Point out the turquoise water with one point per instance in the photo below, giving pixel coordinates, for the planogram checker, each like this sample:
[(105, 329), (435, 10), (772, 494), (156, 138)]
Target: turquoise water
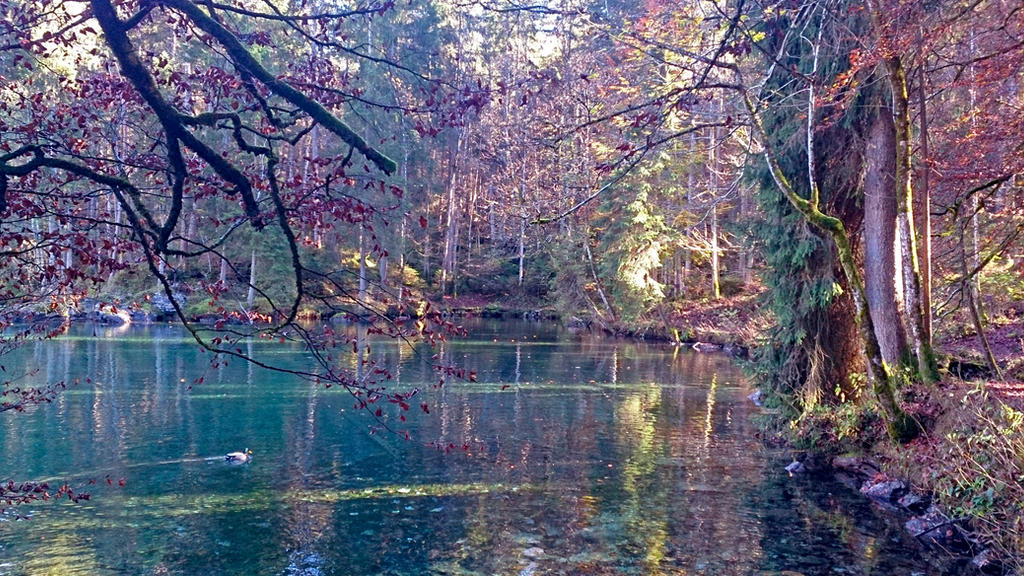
[(571, 456)]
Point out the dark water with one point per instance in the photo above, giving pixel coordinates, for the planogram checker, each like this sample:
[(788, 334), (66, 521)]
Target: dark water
[(599, 457)]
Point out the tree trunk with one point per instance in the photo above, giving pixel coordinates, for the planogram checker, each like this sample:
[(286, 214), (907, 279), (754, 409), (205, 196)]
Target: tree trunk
[(426, 249), (690, 187), (492, 217), (522, 248), (977, 317), (600, 291), (926, 365), (405, 216), (880, 238), (250, 298), (924, 226), (900, 426), (746, 251), (716, 285), (362, 267), (448, 259)]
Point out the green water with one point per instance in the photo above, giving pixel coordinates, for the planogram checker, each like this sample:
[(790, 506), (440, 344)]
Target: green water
[(573, 456)]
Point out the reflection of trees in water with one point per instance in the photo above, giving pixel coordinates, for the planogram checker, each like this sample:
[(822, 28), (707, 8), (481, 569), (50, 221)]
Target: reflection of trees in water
[(620, 470), (645, 508), (806, 516), (677, 484), (304, 524), (575, 411), (69, 555), (608, 455)]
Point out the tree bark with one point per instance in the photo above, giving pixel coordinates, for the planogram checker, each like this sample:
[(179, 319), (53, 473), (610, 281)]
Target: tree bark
[(716, 284), (927, 368), (924, 225), (880, 238), (897, 78)]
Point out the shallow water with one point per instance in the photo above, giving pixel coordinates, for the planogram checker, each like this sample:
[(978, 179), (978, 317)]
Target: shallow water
[(571, 456)]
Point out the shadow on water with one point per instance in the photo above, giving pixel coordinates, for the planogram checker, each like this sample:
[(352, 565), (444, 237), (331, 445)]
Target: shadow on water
[(570, 455)]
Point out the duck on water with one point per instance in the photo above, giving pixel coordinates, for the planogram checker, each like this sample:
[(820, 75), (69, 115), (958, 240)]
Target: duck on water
[(239, 457)]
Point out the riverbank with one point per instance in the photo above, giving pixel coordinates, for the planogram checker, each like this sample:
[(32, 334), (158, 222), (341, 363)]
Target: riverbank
[(735, 322), (959, 485)]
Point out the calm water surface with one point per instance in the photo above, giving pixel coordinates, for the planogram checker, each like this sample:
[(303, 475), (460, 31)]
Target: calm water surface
[(581, 456)]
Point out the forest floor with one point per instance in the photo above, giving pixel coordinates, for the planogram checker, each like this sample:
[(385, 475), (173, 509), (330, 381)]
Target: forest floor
[(1005, 335), (739, 319)]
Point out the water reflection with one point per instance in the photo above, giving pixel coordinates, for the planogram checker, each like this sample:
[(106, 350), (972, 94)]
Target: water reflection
[(568, 456)]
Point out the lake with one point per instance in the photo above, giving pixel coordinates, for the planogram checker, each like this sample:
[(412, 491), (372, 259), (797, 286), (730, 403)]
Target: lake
[(572, 455)]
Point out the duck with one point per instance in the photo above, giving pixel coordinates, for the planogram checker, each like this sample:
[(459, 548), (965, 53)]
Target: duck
[(239, 457)]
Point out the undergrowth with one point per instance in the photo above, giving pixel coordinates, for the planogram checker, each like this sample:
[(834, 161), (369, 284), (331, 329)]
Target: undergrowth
[(982, 473)]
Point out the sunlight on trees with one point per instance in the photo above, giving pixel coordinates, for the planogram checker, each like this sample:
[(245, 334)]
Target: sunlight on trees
[(267, 170)]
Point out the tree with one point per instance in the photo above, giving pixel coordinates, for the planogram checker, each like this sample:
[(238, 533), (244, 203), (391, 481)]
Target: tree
[(971, 83), (910, 266), (797, 64), (162, 136), (880, 209)]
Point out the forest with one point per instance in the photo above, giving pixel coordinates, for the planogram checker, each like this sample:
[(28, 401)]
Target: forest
[(836, 185)]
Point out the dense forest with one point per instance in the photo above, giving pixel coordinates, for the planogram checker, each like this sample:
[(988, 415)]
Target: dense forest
[(839, 181)]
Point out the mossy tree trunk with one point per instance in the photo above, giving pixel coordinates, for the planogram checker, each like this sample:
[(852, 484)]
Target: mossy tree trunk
[(899, 425), (897, 79), (926, 365)]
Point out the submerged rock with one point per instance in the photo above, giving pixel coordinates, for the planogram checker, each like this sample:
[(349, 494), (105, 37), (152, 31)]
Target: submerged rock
[(530, 569)]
